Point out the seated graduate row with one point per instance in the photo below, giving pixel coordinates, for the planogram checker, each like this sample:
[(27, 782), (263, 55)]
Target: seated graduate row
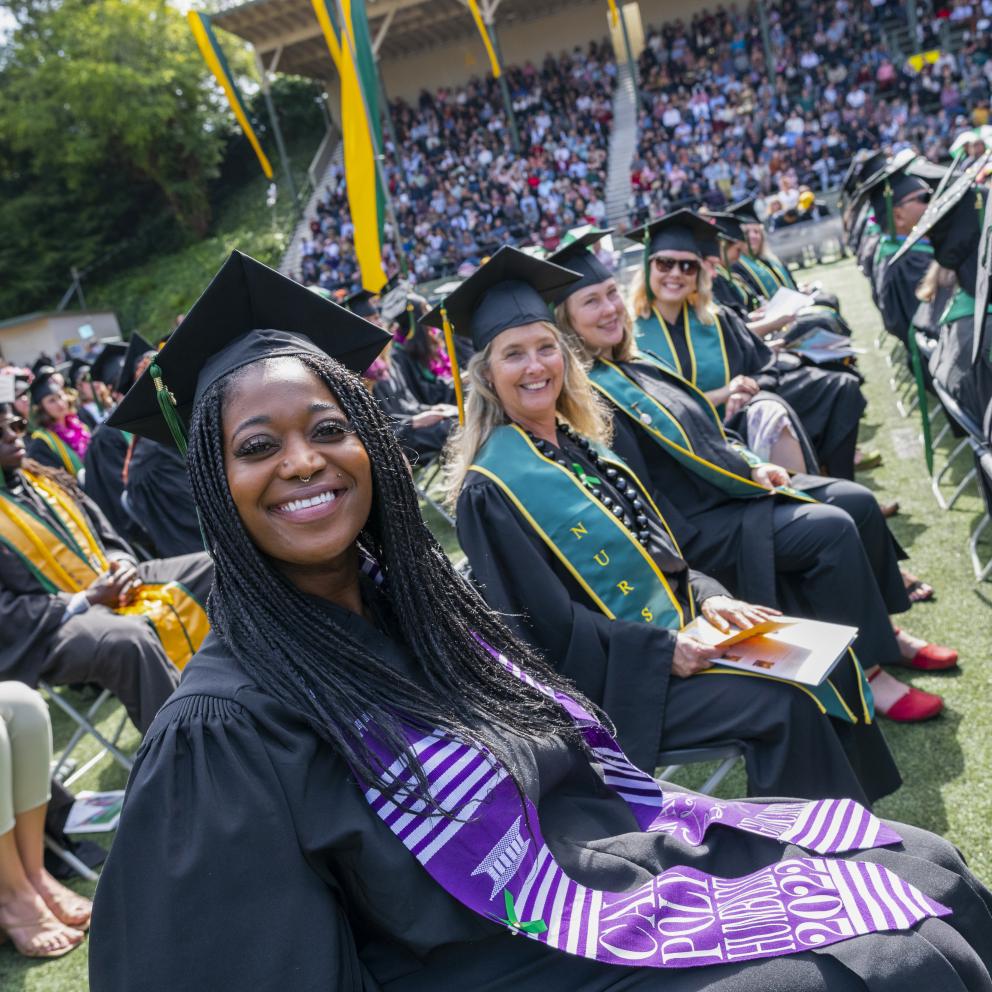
[(389, 783)]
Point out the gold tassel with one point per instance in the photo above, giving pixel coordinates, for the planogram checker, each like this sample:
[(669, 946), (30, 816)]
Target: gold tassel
[(456, 375)]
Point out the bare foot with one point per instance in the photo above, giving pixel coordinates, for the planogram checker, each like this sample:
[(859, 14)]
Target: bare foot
[(73, 910), (36, 933)]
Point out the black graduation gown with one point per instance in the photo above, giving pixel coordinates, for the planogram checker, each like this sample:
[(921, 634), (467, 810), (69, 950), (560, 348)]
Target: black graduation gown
[(402, 406), (625, 667), (121, 653), (247, 858), (41, 452), (160, 499), (894, 288), (103, 478), (428, 388), (827, 403), (830, 562), (951, 366)]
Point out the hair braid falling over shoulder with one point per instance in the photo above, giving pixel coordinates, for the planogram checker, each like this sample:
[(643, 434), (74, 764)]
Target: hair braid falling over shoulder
[(302, 657)]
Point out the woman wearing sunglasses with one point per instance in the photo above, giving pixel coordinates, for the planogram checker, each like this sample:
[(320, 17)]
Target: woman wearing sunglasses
[(772, 403)]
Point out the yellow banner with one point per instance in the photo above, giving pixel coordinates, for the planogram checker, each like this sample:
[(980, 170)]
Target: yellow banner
[(330, 35), (486, 40), (614, 13), (214, 57), (359, 163)]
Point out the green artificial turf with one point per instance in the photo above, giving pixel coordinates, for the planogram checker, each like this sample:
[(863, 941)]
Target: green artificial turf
[(945, 763)]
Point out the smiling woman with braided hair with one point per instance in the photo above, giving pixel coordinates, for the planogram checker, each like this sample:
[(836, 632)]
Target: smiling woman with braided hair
[(352, 787)]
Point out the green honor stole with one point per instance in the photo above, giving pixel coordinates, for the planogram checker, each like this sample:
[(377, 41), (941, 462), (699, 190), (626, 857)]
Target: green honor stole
[(70, 460), (604, 556), (962, 304), (663, 427), (709, 367), (762, 274)]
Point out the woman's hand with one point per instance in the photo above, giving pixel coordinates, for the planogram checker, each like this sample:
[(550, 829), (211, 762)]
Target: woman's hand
[(770, 476), (116, 587), (723, 613), (735, 403), (691, 655), (742, 384), (426, 418)]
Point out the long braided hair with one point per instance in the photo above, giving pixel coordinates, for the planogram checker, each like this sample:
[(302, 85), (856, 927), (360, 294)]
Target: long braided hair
[(320, 670)]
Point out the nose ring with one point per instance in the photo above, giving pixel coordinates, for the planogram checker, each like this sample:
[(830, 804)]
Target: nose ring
[(306, 480)]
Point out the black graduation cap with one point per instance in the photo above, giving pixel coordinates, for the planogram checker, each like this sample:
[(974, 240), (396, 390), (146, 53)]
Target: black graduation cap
[(78, 370), (728, 226), (679, 231), (744, 211), (510, 290), (577, 256), (41, 363), (137, 347), (360, 303), (888, 185), (863, 164), (248, 312), (47, 382), (951, 220), (107, 365)]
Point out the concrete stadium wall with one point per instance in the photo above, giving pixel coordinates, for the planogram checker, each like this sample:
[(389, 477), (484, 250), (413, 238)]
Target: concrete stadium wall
[(582, 22)]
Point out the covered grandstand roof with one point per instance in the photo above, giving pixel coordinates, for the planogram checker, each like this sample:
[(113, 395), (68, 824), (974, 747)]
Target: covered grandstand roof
[(286, 35)]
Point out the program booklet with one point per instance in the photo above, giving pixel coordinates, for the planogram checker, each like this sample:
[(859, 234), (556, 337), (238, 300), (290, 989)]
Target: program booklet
[(95, 812), (804, 651)]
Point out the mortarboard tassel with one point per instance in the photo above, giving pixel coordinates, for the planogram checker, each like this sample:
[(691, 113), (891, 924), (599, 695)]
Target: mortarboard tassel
[(456, 375), (412, 321), (167, 404), (890, 223)]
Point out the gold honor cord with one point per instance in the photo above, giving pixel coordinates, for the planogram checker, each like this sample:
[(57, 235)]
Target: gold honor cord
[(456, 374), (473, 6)]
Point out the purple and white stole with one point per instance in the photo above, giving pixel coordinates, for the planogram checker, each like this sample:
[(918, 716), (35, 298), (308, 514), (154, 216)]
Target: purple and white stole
[(492, 857)]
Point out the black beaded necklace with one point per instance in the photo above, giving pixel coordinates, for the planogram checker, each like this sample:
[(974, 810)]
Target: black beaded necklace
[(623, 499)]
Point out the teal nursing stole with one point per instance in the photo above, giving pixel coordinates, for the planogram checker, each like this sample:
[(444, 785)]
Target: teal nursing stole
[(663, 427), (603, 555), (709, 366)]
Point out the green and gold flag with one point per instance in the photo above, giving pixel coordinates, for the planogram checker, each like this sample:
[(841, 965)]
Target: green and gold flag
[(350, 45), (213, 54)]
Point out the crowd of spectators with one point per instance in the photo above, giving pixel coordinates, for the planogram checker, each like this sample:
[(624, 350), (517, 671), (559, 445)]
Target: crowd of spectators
[(713, 128), (459, 189)]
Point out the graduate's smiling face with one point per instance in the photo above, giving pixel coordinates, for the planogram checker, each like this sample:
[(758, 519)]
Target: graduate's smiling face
[(298, 474), (674, 275), (597, 314), (527, 369)]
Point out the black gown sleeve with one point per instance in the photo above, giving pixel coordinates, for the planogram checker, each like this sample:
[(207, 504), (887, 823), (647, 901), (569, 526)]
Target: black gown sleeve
[(41, 453), (623, 667), (161, 499), (747, 354), (897, 296), (206, 886)]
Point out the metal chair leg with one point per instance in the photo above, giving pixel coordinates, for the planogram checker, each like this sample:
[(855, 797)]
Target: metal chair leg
[(962, 486), (935, 483), (71, 860), (980, 570)]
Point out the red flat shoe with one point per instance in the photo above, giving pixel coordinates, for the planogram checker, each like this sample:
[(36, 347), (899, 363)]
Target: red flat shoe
[(914, 707), (931, 658)]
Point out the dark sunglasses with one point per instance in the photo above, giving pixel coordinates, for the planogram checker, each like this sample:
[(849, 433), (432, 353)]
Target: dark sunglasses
[(16, 425), (687, 266), (923, 196)]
